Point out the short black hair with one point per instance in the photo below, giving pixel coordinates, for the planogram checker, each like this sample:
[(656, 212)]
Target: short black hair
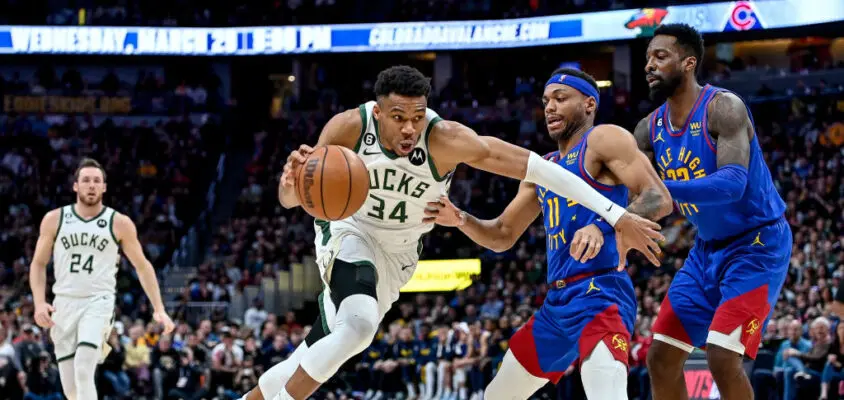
[(578, 73), (403, 81), (88, 163), (688, 38)]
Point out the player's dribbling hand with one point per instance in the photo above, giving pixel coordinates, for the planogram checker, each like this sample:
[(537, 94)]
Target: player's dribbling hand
[(587, 243), (162, 318), (42, 315), (635, 232), (294, 160), (443, 212)]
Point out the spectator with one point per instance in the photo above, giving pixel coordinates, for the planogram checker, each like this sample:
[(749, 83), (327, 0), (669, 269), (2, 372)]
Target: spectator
[(832, 371), (226, 360), (113, 367), (42, 381), (164, 363), (188, 385), (255, 315), (12, 380), (138, 359), (806, 366)]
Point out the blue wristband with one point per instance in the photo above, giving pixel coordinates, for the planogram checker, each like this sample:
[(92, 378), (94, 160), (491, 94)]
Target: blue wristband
[(604, 226)]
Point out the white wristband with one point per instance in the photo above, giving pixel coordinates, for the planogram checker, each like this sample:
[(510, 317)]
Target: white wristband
[(564, 183)]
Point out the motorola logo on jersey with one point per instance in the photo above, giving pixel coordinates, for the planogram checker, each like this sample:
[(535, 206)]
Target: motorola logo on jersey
[(369, 139), (743, 17), (102, 223), (417, 156)]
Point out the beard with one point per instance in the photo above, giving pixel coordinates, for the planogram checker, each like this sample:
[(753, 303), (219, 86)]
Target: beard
[(569, 129), (83, 198), (665, 88)]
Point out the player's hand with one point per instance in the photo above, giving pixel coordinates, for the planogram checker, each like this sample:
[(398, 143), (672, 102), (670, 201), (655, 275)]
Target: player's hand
[(443, 212), (42, 315), (642, 234), (162, 318), (294, 161), (587, 243)]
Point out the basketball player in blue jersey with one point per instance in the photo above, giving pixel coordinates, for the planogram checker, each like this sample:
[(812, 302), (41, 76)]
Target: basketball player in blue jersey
[(589, 313), (705, 147)]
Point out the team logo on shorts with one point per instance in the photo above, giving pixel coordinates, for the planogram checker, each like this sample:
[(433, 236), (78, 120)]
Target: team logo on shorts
[(619, 342), (417, 156), (102, 223), (753, 327), (369, 139)]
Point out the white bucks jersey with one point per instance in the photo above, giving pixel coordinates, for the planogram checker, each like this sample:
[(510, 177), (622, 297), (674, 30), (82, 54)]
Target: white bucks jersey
[(85, 254), (399, 187)]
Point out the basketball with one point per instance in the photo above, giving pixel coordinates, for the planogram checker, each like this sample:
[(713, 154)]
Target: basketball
[(333, 183)]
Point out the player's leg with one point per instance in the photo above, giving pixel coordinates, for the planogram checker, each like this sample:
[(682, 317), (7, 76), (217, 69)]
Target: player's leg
[(94, 322), (752, 278), (63, 335), (603, 376), (353, 291), (513, 381), (521, 374), (604, 342), (680, 326)]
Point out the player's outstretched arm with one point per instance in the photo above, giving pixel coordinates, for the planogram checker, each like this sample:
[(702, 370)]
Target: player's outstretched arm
[(617, 149), (728, 119), (127, 235), (499, 234), (38, 267), (456, 143), (343, 129)]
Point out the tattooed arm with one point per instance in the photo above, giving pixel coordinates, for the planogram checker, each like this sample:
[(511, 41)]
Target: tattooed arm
[(642, 133), (729, 122), (617, 149)]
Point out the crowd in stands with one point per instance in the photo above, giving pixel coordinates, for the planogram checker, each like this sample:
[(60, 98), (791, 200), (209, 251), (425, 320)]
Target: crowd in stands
[(431, 345), (130, 90)]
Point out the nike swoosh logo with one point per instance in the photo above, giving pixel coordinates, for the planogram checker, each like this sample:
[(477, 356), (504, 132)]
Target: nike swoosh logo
[(370, 154), (405, 267), (609, 208)]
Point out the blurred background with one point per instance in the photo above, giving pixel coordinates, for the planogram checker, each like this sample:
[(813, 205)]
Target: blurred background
[(193, 126)]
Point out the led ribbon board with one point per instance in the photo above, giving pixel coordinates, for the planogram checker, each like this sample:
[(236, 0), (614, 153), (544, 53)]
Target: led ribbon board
[(415, 36)]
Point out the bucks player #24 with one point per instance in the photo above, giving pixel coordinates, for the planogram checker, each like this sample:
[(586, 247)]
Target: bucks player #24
[(85, 254), (399, 187)]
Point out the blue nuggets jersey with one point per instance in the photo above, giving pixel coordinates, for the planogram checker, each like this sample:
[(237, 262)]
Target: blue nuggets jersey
[(563, 217), (690, 153)]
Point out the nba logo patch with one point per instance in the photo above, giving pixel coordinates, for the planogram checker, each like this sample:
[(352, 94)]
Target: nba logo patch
[(742, 16)]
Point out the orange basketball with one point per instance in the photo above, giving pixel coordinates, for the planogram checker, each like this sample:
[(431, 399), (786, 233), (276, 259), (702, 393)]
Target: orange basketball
[(333, 183)]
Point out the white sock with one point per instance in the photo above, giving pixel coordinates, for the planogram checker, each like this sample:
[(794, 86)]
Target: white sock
[(68, 378), (84, 367)]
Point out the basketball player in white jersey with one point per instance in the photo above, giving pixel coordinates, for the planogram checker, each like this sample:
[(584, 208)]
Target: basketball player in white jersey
[(364, 260), (84, 239)]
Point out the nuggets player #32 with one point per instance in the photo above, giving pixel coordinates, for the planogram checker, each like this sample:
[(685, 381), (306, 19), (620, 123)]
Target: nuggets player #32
[(706, 149), (85, 239)]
